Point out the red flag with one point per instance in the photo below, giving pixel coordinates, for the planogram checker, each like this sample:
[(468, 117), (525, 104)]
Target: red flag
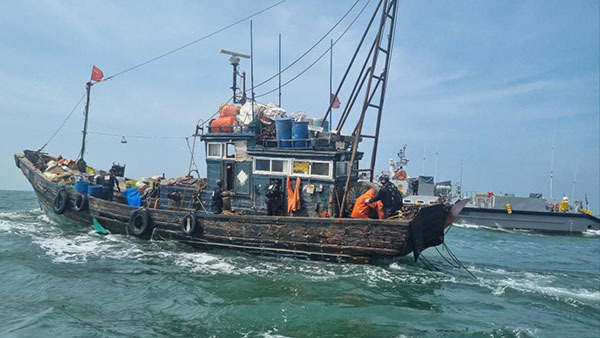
[(97, 74), (335, 101)]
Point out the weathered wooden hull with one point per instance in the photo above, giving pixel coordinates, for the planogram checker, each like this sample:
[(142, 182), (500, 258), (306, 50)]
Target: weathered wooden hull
[(332, 239)]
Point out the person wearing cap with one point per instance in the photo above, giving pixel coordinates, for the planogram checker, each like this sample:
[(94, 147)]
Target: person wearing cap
[(217, 198), (389, 195)]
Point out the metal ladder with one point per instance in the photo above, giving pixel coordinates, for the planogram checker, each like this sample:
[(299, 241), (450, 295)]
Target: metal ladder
[(376, 84)]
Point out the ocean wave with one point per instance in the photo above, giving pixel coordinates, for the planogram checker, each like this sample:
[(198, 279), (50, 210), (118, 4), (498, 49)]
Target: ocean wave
[(499, 229), (591, 233), (477, 226), (499, 280), (24, 222)]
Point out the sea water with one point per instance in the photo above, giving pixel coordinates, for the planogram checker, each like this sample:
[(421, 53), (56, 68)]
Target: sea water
[(65, 280)]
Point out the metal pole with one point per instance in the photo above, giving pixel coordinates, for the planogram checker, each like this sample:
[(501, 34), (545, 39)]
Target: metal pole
[(424, 156), (331, 85), (461, 177), (252, 69), (552, 163), (437, 151), (574, 180), (88, 86), (279, 74)]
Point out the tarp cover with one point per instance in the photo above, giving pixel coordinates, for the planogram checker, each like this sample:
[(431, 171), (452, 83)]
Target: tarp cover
[(133, 197)]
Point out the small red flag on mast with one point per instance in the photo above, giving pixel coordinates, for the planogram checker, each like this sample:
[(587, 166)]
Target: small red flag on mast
[(97, 74), (335, 101)]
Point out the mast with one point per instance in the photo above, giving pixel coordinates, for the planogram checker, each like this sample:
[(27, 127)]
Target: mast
[(437, 151), (331, 85), (552, 163), (88, 87), (252, 69), (279, 73), (461, 177), (574, 180), (424, 157)]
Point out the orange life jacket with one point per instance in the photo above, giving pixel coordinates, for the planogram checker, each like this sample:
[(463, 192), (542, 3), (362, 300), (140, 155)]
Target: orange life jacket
[(361, 208), (293, 196)]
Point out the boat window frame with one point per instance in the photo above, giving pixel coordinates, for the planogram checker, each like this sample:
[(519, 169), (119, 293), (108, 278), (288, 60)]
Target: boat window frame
[(286, 165), (288, 168), (310, 174), (226, 149), (208, 155), (342, 165)]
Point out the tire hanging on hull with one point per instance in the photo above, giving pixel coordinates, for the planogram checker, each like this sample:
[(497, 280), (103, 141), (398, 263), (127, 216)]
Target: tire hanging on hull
[(140, 222), (61, 202)]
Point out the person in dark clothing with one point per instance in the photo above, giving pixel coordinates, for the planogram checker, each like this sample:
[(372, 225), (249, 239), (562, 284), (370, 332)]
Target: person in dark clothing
[(415, 186), (107, 187), (217, 198), (274, 196), (389, 196)]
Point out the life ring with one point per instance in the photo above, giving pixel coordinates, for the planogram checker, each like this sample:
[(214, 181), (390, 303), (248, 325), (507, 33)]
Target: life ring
[(400, 175), (61, 201), (189, 223), (81, 202), (140, 222)]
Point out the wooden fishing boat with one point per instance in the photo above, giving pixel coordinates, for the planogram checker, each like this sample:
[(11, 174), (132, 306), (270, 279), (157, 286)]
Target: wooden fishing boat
[(247, 158), (331, 239)]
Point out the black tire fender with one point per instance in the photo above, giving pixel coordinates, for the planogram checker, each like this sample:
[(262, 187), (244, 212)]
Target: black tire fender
[(81, 202), (189, 224), (140, 222), (61, 201)]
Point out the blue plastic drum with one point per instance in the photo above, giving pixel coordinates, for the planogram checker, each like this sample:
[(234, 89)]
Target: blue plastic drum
[(96, 191), (82, 186), (283, 130), (300, 134)]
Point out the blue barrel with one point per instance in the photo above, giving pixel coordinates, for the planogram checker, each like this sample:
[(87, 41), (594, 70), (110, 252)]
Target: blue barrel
[(82, 186), (317, 122), (300, 133), (283, 130), (96, 191)]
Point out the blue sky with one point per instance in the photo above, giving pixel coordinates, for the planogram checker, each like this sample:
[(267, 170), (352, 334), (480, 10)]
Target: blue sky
[(486, 82)]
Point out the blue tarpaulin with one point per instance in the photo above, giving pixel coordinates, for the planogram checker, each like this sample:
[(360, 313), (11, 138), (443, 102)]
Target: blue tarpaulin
[(133, 197)]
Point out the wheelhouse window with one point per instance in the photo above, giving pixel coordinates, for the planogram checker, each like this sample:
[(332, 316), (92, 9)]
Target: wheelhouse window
[(215, 150), (262, 165), (279, 166), (271, 166), (342, 168), (230, 150), (301, 167), (312, 168), (317, 169)]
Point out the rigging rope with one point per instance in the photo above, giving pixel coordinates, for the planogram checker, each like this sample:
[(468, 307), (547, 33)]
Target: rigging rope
[(138, 136), (458, 261), (319, 58), (427, 263), (63, 123), (313, 46), (192, 42)]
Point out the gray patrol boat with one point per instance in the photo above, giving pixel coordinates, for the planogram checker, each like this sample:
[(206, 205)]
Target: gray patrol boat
[(527, 213), (506, 212)]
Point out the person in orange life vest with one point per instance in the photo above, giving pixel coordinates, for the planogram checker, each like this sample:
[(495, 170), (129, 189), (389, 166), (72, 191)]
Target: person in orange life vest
[(361, 207)]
